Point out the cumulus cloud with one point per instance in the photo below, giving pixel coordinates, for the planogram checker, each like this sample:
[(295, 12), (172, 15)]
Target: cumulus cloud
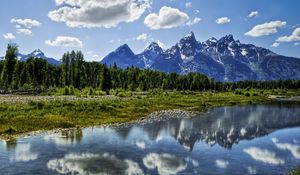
[(87, 163), (294, 37), (23, 154), (142, 37), (27, 23), (26, 32), (166, 18), (65, 41), (221, 163), (253, 14), (194, 21), (264, 155), (223, 20), (188, 5), (95, 13), (9, 36), (275, 44), (266, 28), (166, 164)]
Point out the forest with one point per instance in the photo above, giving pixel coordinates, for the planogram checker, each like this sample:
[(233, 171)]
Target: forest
[(75, 72)]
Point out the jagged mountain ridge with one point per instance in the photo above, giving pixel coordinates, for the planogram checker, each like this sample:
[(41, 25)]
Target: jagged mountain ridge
[(225, 59), (36, 54)]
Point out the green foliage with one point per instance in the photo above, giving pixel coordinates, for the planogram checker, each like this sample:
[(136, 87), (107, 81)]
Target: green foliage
[(120, 92), (9, 65)]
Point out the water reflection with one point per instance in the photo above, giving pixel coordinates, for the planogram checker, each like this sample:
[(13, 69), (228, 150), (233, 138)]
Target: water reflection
[(256, 139), (87, 163), (223, 126), (264, 155), (23, 153), (164, 163), (66, 137), (294, 148)]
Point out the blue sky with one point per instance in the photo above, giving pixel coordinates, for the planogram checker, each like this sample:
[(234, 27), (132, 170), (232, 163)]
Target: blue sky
[(97, 27)]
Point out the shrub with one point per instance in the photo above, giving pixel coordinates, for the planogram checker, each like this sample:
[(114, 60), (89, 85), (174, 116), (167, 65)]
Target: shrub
[(247, 94), (10, 130), (121, 93)]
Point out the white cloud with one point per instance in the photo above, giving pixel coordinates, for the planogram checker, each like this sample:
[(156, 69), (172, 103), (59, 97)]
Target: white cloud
[(223, 20), (296, 44), (142, 37), (27, 23), (294, 37), (166, 18), (9, 36), (65, 41), (263, 155), (197, 12), (276, 44), (188, 5), (194, 21), (87, 163), (253, 14), (166, 164), (95, 13), (221, 163), (266, 28), (26, 32), (23, 154)]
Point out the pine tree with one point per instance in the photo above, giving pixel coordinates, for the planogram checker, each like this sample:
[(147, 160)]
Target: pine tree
[(106, 79), (9, 64)]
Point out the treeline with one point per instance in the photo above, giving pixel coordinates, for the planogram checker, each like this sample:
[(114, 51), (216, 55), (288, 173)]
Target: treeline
[(76, 72)]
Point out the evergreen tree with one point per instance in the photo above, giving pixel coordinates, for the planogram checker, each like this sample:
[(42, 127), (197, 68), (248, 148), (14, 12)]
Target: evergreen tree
[(106, 79), (9, 64)]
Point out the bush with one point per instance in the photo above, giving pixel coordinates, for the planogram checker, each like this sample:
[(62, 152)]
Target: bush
[(27, 86), (247, 94), (156, 91), (10, 130), (120, 93)]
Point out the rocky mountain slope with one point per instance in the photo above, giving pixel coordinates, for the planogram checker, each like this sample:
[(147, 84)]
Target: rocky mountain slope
[(225, 59)]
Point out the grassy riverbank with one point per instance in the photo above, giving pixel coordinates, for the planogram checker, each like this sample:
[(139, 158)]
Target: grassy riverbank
[(21, 114)]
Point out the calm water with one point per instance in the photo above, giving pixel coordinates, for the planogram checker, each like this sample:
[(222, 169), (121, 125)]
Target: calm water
[(256, 139)]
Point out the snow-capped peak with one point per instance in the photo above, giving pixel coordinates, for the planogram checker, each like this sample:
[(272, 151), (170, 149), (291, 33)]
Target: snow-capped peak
[(37, 53), (188, 38), (227, 39), (153, 47)]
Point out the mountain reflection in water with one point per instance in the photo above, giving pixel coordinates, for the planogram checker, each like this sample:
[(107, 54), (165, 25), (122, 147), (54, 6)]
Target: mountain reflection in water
[(261, 139)]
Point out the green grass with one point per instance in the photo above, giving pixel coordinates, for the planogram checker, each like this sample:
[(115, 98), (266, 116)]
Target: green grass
[(23, 114)]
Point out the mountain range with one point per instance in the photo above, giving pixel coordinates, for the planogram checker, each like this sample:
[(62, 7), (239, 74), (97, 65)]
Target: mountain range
[(36, 54), (225, 59)]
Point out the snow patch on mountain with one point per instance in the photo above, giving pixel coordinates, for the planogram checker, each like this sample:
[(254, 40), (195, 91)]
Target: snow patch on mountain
[(225, 59)]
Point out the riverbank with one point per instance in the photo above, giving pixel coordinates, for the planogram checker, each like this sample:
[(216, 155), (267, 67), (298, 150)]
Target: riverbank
[(22, 114)]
